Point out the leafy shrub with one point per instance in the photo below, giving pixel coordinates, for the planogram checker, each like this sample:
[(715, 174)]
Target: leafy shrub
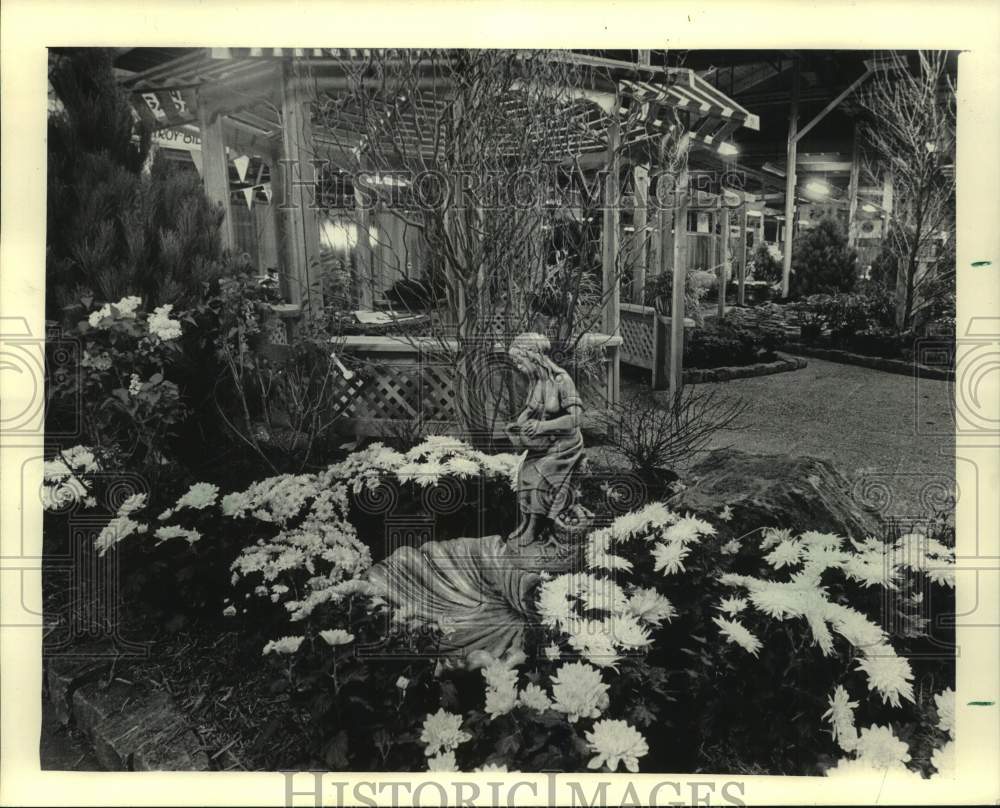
[(764, 266), (131, 407), (822, 262), (725, 344)]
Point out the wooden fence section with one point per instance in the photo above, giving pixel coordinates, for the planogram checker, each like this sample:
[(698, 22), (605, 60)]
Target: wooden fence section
[(402, 384), (646, 341)]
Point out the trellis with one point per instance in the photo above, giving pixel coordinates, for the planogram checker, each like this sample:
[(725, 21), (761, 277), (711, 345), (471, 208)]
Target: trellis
[(252, 100)]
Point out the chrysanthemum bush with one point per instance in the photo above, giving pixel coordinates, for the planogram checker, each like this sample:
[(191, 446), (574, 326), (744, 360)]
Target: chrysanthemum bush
[(676, 645)]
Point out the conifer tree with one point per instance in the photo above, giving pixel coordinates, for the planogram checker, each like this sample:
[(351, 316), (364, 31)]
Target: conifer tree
[(112, 228)]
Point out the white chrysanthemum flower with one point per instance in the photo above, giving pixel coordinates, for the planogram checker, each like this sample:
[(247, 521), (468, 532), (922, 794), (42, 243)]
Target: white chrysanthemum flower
[(737, 633), (688, 529), (669, 558), (945, 703), (772, 536), (643, 520), (134, 385), (556, 601), (941, 572), (731, 547), (943, 760), (443, 732), (462, 467), (598, 555), (499, 702), (841, 719), (592, 640), (445, 762), (199, 496), (616, 742), (870, 569), (888, 673), (649, 605), (602, 594), (286, 645), (625, 631), (726, 514), (553, 652), (493, 767), (853, 626), (578, 691), (119, 528), (336, 636), (732, 605), (787, 554), (880, 747), (534, 698), (402, 683), (229, 611), (190, 535)]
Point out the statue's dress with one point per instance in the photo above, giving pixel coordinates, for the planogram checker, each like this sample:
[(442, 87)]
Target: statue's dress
[(543, 481), (479, 591), (471, 588)]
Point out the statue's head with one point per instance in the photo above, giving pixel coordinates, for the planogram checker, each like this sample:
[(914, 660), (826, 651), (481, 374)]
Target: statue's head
[(528, 351)]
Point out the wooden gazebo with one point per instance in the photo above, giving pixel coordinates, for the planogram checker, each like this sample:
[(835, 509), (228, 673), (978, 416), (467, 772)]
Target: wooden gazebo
[(256, 106)]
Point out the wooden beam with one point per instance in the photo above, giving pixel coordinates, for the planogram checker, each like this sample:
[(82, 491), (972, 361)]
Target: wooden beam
[(679, 261), (741, 255), (852, 192), (793, 139), (640, 218), (609, 260), (723, 258), (833, 104), (300, 223), (215, 171)]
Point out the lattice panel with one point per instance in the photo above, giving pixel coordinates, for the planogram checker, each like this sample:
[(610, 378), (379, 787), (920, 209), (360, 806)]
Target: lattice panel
[(637, 339), (408, 391), (276, 331)]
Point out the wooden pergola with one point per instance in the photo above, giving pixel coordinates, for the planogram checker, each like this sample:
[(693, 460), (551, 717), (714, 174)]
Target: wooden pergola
[(260, 101)]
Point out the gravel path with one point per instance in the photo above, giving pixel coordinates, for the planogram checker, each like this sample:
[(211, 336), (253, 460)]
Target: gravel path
[(889, 434)]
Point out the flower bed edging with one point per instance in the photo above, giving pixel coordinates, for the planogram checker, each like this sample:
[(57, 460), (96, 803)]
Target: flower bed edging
[(129, 728), (781, 365), (900, 366)]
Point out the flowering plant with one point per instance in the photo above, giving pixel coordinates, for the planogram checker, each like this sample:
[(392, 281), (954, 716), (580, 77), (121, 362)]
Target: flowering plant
[(131, 406)]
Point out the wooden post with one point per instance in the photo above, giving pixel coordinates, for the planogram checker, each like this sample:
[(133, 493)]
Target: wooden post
[(301, 230), (723, 255), (640, 251), (679, 260), (741, 254), (215, 169), (790, 179), (664, 264), (852, 211), (363, 253), (609, 258)]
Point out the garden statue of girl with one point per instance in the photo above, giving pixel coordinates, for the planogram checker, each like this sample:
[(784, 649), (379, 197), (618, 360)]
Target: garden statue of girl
[(548, 429), (480, 591)]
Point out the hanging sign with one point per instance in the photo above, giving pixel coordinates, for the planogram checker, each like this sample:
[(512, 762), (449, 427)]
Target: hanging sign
[(165, 108)]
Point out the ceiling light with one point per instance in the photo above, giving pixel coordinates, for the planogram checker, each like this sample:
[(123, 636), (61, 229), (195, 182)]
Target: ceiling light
[(817, 188)]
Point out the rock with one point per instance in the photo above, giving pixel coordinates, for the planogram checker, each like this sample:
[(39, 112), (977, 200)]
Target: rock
[(133, 729), (63, 676), (800, 493)]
